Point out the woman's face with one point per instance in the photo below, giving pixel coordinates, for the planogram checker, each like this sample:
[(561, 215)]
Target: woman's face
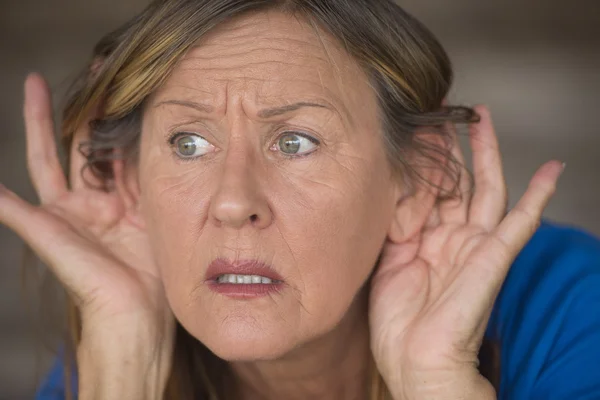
[(262, 158)]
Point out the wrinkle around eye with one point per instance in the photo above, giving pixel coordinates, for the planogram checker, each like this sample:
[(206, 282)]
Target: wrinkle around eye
[(298, 186), (296, 178), (185, 180)]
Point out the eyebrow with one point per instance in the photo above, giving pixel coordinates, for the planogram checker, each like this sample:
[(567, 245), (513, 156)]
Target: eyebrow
[(265, 113), (196, 106), (276, 111)]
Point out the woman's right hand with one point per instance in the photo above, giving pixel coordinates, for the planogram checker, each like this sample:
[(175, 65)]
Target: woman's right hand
[(93, 245)]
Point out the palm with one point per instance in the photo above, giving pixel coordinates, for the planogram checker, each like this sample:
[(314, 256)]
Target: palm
[(124, 274), (431, 297), (422, 286)]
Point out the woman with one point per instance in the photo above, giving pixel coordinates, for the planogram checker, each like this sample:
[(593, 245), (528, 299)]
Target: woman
[(268, 204)]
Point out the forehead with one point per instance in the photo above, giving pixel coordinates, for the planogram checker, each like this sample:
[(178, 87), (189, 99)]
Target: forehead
[(270, 55)]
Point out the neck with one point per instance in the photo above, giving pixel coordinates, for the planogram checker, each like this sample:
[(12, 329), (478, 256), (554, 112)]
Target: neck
[(334, 366)]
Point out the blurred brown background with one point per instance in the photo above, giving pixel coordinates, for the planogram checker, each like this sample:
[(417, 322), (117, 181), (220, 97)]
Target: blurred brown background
[(536, 63)]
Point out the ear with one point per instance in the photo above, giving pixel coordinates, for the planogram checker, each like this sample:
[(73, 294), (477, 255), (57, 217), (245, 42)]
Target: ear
[(126, 184), (416, 199)]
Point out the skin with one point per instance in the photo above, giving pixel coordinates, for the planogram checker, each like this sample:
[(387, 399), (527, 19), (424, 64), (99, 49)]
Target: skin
[(301, 204), (443, 261)]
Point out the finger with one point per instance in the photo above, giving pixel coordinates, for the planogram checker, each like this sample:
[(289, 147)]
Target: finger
[(455, 208), (523, 220), (489, 202), (29, 222), (45, 233), (44, 166), (491, 258)]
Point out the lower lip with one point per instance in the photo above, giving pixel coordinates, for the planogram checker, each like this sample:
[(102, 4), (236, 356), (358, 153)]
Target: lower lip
[(244, 291)]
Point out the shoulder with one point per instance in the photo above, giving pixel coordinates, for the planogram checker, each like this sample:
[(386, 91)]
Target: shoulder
[(559, 262), (546, 317), (53, 385)]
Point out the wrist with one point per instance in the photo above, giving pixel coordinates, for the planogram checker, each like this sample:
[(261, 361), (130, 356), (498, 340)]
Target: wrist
[(132, 364), (440, 385)]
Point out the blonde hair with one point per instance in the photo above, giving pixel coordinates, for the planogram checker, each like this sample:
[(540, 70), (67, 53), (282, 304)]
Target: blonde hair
[(408, 67)]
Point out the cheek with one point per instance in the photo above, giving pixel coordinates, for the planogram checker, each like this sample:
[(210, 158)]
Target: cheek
[(334, 222), (174, 205), (330, 220)]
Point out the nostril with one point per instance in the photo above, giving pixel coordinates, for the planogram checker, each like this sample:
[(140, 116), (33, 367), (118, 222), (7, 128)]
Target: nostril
[(253, 218)]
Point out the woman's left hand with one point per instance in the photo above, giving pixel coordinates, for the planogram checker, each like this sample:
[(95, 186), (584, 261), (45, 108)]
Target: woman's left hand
[(431, 298)]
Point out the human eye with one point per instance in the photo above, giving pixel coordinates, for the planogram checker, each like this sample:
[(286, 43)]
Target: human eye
[(295, 144), (190, 145)]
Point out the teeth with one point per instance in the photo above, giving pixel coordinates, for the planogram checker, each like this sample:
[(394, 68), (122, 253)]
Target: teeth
[(244, 279)]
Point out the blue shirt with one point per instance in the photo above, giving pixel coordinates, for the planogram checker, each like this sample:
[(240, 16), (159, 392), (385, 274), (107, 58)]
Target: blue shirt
[(546, 319)]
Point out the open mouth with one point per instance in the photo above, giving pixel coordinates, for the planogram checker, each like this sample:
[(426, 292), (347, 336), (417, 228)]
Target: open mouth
[(245, 280)]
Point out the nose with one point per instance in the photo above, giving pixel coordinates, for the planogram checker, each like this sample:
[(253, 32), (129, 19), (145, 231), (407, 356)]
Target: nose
[(239, 200)]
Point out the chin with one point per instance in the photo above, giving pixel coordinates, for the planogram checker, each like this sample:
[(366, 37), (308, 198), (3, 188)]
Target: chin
[(241, 354), (243, 340)]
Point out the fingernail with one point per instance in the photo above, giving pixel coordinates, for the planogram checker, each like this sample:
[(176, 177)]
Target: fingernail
[(563, 166), (483, 107)]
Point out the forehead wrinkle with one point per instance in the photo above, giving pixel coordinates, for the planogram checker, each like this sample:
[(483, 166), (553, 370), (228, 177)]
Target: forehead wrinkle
[(331, 68), (316, 39), (185, 88), (198, 106), (247, 57), (247, 66), (252, 20), (326, 96), (331, 58), (270, 43), (257, 55), (173, 84)]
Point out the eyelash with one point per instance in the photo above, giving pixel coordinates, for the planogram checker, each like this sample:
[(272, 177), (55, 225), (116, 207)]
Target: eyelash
[(172, 137), (176, 135), (301, 134)]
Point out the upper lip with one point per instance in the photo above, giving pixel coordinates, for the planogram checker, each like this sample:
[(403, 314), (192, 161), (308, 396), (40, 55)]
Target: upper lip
[(222, 266)]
